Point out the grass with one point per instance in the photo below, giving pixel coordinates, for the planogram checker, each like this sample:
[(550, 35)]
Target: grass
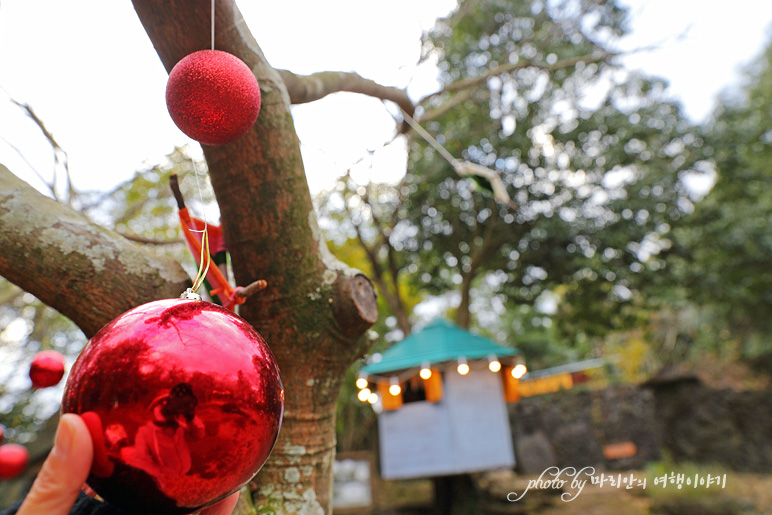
[(695, 498), (744, 494)]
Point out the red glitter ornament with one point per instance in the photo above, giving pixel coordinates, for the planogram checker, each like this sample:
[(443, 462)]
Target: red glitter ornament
[(47, 369), (13, 460), (184, 403), (213, 97)]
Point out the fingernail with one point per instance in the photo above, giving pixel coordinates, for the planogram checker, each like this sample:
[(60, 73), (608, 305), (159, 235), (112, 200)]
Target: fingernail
[(63, 440)]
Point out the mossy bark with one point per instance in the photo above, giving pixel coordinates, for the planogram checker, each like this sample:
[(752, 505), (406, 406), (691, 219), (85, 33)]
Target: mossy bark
[(86, 272)]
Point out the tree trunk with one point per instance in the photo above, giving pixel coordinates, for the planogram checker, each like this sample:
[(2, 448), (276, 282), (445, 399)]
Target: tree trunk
[(462, 313), (315, 309)]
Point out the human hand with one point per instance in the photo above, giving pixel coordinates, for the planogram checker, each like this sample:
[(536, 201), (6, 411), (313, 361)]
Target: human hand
[(65, 470)]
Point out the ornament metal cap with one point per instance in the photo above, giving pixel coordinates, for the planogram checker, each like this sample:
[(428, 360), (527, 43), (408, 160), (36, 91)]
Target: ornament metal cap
[(189, 294)]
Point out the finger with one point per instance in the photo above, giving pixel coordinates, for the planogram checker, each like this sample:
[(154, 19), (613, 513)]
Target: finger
[(224, 507), (64, 471)]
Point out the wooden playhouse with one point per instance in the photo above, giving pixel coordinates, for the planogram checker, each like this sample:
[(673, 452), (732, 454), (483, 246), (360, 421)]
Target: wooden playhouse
[(441, 395)]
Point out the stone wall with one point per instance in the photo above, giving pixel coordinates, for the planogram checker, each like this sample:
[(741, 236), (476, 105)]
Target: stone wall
[(705, 425), (571, 428), (680, 417)]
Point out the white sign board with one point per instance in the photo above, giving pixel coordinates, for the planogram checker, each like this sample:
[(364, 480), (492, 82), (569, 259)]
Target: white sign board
[(467, 431)]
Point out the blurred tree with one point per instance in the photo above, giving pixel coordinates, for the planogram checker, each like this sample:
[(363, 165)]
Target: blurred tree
[(725, 247), (595, 158)]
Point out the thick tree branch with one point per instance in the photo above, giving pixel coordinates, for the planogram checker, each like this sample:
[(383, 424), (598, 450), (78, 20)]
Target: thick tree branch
[(86, 272), (307, 88), (150, 241)]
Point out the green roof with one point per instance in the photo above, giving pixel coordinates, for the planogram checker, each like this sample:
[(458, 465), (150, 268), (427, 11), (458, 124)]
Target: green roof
[(438, 342)]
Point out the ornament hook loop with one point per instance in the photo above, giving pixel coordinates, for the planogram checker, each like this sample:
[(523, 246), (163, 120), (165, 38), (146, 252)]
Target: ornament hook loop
[(189, 294)]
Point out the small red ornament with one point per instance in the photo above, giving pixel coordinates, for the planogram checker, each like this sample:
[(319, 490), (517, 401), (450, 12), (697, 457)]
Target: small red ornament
[(47, 369), (213, 97), (184, 403), (13, 460)]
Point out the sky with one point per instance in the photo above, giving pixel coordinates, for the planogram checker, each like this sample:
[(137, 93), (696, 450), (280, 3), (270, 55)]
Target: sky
[(90, 73)]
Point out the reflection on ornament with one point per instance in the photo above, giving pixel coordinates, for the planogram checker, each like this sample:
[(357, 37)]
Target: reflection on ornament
[(47, 369), (213, 97), (13, 460), (184, 403)]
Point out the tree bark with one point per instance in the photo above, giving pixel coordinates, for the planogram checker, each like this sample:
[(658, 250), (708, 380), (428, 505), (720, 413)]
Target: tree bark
[(315, 309), (308, 88), (86, 272), (463, 315)]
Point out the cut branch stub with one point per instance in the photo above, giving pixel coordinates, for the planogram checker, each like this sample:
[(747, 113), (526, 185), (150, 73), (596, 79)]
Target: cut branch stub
[(252, 288), (355, 305)]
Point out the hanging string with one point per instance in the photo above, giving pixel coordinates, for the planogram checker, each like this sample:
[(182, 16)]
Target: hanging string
[(205, 260), (430, 139), (202, 270), (464, 168), (212, 21)]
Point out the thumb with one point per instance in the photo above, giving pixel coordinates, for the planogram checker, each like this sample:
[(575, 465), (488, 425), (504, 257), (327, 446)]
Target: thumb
[(64, 471)]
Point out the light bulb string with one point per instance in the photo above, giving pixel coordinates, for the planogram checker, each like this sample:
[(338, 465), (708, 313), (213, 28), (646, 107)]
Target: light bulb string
[(473, 364)]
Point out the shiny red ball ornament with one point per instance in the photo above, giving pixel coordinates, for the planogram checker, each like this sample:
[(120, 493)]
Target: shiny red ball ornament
[(184, 402), (213, 97), (13, 460), (47, 369)]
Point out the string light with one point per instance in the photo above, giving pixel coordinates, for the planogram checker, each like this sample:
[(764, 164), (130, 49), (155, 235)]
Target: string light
[(373, 398), (395, 389), (364, 381), (364, 394)]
